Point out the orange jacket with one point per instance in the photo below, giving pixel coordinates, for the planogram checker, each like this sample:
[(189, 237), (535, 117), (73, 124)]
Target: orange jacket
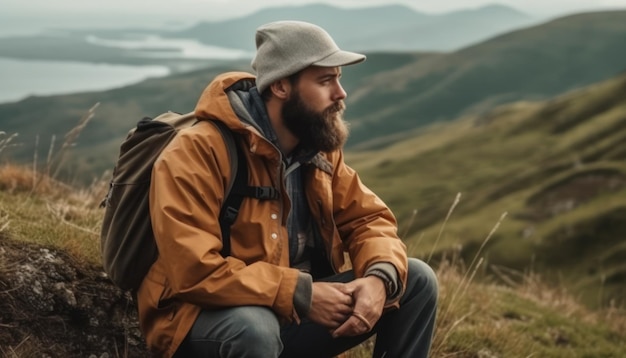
[(189, 180)]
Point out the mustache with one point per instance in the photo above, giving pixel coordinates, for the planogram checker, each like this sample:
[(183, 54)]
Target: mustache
[(337, 107)]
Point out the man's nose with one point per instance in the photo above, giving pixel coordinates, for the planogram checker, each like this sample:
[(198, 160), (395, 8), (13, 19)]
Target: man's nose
[(340, 93)]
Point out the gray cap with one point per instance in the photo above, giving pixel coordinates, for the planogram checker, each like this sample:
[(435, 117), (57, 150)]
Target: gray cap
[(287, 47)]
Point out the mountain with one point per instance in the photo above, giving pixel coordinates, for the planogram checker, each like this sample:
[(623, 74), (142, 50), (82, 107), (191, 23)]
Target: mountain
[(381, 28), (532, 63), (557, 168)]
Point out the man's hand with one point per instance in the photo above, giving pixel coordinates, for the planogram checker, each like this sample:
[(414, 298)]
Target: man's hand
[(369, 300), (331, 304)]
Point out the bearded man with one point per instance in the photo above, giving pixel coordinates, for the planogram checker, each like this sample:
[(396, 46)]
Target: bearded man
[(285, 288)]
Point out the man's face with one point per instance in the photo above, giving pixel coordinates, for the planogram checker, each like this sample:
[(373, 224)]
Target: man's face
[(314, 110)]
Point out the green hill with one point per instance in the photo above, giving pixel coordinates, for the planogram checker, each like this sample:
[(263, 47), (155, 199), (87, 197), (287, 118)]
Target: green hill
[(537, 62), (556, 167)]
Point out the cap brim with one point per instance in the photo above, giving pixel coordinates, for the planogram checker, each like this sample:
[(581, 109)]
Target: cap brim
[(340, 58)]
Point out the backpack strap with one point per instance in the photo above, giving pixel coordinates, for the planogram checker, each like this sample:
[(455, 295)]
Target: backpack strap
[(238, 187)]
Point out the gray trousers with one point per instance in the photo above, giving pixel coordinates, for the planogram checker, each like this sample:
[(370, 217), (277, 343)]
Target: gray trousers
[(251, 331)]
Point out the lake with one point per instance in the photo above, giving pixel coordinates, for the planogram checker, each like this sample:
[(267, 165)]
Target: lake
[(21, 78)]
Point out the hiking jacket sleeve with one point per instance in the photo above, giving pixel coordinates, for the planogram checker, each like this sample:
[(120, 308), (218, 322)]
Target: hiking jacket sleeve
[(359, 223)]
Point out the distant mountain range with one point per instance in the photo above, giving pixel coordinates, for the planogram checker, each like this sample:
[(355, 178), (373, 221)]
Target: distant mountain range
[(389, 96), (382, 28)]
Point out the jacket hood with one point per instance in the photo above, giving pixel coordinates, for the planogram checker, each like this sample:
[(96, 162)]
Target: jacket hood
[(226, 99), (214, 102)]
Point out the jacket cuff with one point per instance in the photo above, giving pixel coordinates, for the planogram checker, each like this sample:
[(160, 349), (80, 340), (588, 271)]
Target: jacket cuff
[(388, 273), (303, 295)]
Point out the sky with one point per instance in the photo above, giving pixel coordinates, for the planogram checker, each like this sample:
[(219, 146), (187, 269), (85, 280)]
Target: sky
[(142, 12)]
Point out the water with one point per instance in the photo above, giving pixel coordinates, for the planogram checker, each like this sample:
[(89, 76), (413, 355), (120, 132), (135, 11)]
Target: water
[(170, 48), (21, 78)]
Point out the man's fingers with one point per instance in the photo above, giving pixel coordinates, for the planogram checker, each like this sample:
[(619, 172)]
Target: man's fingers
[(346, 288), (348, 300), (345, 309), (344, 329), (353, 326), (368, 325), (339, 319)]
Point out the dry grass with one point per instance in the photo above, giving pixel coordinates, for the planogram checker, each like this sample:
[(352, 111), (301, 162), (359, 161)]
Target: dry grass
[(520, 316), (23, 349), (35, 207)]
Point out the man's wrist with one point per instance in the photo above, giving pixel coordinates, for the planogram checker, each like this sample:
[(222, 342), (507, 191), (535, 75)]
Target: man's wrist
[(389, 274), (386, 281)]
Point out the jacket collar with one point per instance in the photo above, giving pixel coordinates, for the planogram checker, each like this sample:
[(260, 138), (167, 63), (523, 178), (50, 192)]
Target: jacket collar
[(320, 161)]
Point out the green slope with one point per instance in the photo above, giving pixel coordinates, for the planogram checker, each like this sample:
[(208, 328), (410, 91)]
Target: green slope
[(557, 168), (538, 62)]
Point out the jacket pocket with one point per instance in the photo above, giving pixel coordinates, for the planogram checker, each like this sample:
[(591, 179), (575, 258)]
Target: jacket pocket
[(160, 294)]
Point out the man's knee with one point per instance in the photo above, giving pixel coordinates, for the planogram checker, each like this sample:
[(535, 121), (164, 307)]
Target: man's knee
[(246, 331), (255, 325), (423, 279)]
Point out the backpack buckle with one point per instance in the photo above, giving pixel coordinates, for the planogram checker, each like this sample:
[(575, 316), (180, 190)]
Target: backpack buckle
[(230, 214), (266, 193)]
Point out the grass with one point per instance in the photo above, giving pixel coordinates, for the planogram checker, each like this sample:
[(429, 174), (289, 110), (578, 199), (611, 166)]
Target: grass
[(524, 318), (51, 216), (37, 208)]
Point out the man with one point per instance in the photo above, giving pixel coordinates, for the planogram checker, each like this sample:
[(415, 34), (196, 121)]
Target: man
[(283, 290)]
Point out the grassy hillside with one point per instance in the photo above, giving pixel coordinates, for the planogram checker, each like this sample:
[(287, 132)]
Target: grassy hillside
[(557, 168), (56, 302)]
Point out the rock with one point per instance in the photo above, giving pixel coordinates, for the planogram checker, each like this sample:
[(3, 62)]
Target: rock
[(57, 307)]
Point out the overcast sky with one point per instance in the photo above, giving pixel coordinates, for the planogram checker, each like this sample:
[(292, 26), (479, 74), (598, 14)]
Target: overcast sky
[(79, 13), (216, 8)]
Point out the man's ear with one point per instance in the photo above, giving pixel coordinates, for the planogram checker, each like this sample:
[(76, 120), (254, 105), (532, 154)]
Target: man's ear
[(281, 88)]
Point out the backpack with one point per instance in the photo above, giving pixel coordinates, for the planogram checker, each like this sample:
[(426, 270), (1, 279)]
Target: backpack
[(126, 240)]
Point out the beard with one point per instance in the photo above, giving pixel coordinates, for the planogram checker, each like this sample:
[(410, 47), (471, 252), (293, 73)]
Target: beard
[(324, 131)]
